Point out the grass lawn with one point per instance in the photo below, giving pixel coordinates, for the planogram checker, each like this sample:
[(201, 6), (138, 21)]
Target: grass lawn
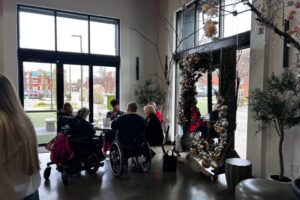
[(38, 119), (202, 105), (44, 139)]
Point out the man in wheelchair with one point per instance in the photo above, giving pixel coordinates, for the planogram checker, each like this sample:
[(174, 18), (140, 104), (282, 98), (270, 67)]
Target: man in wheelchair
[(130, 127), (130, 141)]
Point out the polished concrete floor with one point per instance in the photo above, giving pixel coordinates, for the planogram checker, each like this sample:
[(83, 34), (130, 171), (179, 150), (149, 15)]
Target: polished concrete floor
[(186, 184)]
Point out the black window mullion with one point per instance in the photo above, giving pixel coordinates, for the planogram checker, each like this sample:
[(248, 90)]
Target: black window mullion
[(60, 85), (118, 82), (209, 91), (21, 81)]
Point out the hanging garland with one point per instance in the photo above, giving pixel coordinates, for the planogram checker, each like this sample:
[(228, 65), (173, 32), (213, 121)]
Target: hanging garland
[(192, 67), (209, 152)]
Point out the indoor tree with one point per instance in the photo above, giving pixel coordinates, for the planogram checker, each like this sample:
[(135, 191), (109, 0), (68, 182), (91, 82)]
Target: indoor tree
[(278, 106)]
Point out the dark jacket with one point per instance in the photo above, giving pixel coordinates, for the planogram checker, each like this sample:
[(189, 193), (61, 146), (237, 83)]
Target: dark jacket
[(86, 128), (130, 129), (154, 132), (113, 116)]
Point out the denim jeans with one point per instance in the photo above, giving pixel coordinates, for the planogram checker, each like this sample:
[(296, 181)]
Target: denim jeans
[(33, 196)]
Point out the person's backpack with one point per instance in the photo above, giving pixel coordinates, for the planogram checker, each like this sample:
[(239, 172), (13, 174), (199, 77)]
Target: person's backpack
[(61, 151)]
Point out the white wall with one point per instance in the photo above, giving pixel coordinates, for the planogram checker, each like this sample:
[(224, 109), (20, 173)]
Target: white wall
[(138, 14), (166, 36), (263, 148)]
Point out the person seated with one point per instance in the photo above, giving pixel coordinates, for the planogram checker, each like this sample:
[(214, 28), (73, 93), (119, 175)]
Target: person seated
[(130, 127), (83, 137), (197, 124), (153, 133), (113, 114), (66, 112), (157, 112), (86, 128)]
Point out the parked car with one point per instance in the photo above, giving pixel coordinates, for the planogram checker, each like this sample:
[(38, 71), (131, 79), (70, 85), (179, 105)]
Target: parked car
[(33, 94)]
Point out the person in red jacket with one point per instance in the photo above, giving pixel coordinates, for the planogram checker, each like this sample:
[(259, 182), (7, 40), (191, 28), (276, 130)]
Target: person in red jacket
[(197, 124), (157, 112)]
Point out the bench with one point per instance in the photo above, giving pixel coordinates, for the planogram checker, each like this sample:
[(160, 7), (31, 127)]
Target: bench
[(50, 124)]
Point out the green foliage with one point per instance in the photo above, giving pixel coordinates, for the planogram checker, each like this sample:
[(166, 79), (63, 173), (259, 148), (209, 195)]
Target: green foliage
[(109, 98), (149, 91), (278, 105)]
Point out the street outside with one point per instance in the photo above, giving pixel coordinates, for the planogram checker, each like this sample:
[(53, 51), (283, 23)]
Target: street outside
[(241, 131)]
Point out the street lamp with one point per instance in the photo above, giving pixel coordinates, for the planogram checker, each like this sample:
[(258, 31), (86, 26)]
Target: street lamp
[(81, 69)]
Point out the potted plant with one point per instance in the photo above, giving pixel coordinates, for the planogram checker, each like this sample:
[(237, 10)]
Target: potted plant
[(296, 188), (149, 91), (278, 106)]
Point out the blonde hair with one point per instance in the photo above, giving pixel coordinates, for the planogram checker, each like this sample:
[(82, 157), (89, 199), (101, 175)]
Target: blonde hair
[(17, 134), (83, 112), (149, 110), (152, 103)]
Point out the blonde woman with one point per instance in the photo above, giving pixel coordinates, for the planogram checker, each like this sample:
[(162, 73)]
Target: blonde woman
[(154, 132), (19, 163)]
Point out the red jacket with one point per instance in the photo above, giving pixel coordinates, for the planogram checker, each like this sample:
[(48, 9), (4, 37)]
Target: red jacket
[(159, 116)]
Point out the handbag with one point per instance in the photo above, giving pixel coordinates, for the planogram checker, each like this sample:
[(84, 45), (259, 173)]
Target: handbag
[(169, 161), (49, 145)]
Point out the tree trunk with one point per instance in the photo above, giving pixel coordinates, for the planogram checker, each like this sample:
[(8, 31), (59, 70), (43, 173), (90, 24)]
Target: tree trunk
[(281, 174)]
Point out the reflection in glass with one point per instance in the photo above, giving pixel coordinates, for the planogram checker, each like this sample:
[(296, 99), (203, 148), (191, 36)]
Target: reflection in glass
[(202, 99), (104, 88), (39, 86), (103, 38), (76, 86), (72, 33), (37, 30)]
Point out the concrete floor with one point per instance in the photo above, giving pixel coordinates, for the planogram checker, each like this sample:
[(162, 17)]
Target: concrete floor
[(186, 184)]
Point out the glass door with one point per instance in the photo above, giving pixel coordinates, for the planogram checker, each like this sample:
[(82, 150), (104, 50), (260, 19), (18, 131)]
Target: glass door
[(40, 102), (76, 85), (104, 90)]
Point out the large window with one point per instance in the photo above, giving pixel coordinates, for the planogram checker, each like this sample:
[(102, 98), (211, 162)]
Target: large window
[(66, 57), (36, 28), (236, 24), (72, 33), (190, 23), (47, 29)]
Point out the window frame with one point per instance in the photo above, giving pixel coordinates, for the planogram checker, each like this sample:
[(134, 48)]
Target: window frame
[(62, 57)]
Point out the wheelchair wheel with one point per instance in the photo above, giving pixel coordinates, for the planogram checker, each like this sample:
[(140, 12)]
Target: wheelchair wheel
[(92, 164), (64, 177), (116, 159), (144, 160), (47, 172)]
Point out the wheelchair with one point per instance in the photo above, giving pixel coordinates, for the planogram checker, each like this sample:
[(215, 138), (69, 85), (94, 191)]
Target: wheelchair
[(87, 159), (119, 155)]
